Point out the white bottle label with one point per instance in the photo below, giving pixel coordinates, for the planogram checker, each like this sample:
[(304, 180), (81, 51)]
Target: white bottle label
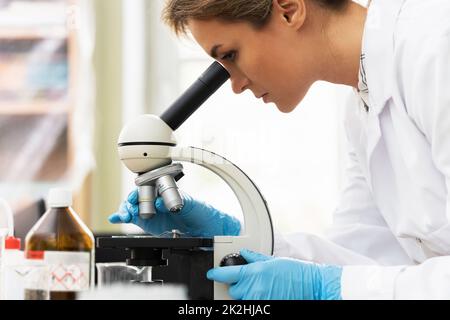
[(69, 271)]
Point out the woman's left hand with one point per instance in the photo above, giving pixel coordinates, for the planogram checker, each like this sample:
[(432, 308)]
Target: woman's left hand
[(268, 278)]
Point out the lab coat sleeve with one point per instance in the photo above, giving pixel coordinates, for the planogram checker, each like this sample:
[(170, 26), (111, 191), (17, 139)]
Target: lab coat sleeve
[(427, 97), (359, 226), (358, 235), (357, 223), (359, 239), (426, 86)]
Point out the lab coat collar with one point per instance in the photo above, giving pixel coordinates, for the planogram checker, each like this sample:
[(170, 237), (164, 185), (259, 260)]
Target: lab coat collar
[(378, 47)]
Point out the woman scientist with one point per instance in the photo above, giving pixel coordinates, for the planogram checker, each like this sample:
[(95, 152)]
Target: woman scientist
[(391, 233)]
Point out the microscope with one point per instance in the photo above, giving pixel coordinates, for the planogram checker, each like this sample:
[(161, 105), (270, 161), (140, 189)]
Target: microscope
[(147, 146)]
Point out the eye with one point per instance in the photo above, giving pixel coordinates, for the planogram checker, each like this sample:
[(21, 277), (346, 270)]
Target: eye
[(230, 56)]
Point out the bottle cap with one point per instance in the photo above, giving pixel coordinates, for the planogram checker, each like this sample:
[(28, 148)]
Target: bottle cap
[(12, 243), (59, 197)]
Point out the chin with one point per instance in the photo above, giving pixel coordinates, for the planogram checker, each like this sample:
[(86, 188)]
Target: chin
[(286, 107)]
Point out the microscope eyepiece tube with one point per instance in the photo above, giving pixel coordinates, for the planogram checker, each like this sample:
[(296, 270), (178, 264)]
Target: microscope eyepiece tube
[(208, 83), (146, 202), (168, 190)]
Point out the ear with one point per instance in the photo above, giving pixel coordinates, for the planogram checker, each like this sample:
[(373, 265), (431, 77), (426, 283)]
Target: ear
[(293, 12)]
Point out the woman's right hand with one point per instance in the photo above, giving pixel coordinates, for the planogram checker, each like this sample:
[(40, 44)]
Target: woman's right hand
[(196, 219)]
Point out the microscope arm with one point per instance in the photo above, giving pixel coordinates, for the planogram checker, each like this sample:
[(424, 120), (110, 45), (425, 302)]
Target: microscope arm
[(257, 234)]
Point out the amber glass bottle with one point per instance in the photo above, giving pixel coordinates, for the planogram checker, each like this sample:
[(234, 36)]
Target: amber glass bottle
[(63, 242)]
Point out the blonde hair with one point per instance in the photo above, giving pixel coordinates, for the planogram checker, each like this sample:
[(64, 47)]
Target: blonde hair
[(176, 13)]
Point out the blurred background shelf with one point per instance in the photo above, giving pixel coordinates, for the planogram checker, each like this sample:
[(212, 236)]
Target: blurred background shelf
[(34, 108), (38, 66), (34, 13), (30, 32)]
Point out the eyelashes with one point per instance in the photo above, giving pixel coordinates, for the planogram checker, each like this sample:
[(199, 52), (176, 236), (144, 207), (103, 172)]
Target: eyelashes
[(230, 56)]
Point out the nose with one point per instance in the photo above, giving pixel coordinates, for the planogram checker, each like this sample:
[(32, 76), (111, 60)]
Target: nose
[(239, 83)]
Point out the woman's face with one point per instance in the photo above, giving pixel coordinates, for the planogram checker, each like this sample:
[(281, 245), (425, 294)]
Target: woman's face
[(276, 62)]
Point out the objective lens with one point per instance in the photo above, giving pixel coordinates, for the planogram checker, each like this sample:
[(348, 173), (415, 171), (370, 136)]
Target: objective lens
[(168, 189), (146, 202)]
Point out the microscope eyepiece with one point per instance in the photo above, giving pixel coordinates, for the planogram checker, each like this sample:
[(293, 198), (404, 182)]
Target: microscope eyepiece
[(208, 83)]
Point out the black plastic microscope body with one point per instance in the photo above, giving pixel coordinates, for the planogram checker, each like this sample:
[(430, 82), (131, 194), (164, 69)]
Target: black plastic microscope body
[(179, 261)]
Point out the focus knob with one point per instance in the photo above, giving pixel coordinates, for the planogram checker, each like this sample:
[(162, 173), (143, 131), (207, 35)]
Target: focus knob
[(232, 259)]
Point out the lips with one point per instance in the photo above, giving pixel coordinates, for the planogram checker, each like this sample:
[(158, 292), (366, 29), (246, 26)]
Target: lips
[(260, 96)]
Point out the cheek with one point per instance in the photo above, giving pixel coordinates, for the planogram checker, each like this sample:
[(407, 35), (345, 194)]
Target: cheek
[(255, 67), (277, 70), (288, 94), (259, 62), (290, 84)]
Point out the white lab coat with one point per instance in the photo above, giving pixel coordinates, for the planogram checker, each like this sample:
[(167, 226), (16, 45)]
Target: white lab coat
[(391, 230)]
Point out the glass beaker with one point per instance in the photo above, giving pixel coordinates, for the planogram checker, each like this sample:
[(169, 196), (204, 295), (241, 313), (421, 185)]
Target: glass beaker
[(119, 273), (36, 278)]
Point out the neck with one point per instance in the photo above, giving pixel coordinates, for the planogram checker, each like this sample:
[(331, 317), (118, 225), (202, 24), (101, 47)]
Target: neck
[(342, 35)]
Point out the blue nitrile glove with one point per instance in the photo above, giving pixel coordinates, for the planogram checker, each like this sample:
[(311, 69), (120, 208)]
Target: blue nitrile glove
[(196, 219), (269, 278)]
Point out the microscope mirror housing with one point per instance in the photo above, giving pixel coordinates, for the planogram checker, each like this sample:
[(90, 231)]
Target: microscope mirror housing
[(137, 152)]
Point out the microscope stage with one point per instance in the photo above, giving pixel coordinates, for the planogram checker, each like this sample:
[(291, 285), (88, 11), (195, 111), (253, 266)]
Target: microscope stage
[(153, 242)]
